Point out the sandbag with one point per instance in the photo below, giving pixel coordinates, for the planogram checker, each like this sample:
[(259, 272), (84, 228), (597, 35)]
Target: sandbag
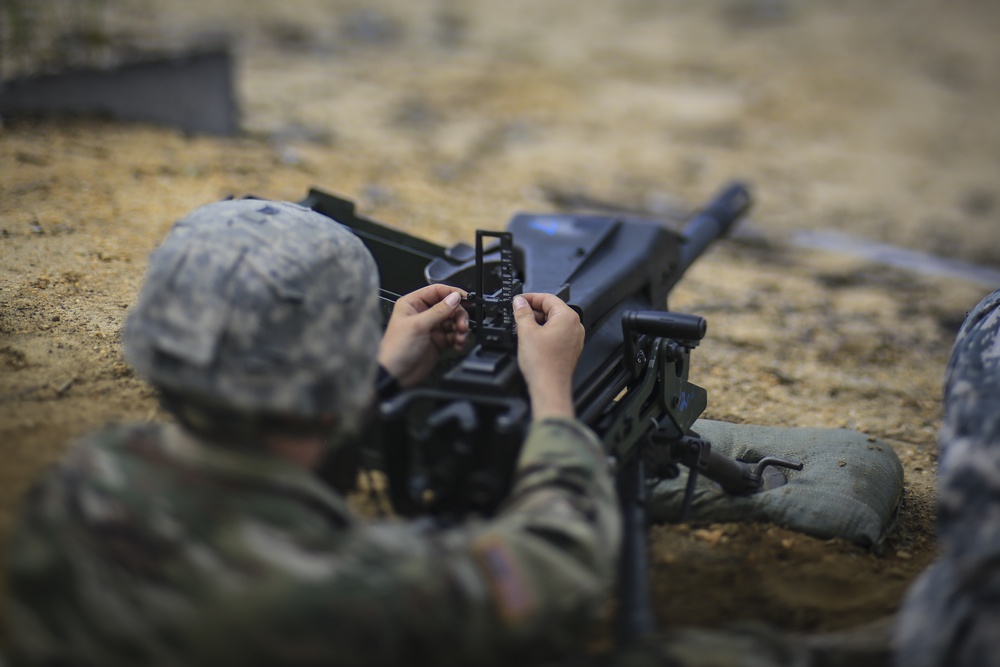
[(850, 485)]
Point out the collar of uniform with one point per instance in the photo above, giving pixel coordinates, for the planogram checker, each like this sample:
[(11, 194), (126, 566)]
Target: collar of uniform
[(248, 465)]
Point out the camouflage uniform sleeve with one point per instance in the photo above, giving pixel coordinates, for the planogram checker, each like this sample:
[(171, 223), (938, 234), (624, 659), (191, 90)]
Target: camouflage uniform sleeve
[(137, 558), (950, 616), (523, 586), (551, 556)]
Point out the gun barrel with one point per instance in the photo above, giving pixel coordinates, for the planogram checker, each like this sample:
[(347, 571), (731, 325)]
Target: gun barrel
[(713, 221)]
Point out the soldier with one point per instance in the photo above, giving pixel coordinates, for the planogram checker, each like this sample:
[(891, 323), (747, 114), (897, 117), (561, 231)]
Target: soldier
[(211, 542), (951, 614)]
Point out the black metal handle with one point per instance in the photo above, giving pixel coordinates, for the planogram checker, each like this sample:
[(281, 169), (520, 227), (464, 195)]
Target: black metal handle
[(685, 329), (664, 324)]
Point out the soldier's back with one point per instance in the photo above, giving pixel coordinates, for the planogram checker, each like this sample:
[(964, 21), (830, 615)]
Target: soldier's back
[(142, 546)]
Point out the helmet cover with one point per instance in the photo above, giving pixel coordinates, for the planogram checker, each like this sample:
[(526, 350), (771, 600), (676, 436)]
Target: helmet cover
[(260, 307)]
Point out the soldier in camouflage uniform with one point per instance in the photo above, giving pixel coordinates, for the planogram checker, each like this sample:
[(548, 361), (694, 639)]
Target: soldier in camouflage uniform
[(211, 542), (952, 614)]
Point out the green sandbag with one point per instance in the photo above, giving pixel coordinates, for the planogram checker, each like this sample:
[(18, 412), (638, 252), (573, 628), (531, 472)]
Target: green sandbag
[(850, 485)]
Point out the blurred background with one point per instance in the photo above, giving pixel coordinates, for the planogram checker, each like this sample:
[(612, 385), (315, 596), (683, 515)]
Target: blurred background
[(872, 119)]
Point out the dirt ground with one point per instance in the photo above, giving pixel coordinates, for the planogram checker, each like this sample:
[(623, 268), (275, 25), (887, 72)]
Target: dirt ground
[(870, 119)]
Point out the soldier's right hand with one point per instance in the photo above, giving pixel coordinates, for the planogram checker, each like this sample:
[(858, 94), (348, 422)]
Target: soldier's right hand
[(550, 339)]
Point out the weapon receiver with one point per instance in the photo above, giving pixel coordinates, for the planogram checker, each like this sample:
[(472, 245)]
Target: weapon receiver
[(449, 447)]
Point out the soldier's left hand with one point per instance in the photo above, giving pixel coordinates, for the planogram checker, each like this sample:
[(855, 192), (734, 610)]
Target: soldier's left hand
[(423, 324)]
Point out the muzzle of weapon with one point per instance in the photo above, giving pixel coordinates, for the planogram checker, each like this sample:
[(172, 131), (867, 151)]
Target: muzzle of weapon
[(713, 221)]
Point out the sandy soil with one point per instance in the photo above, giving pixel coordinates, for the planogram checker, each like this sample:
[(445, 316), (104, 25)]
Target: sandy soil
[(872, 120)]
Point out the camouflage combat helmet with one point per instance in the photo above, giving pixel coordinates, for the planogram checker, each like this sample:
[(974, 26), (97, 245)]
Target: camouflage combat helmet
[(254, 307)]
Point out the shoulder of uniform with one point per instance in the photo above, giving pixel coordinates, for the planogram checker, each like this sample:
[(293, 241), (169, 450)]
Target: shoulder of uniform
[(105, 453), (120, 436)]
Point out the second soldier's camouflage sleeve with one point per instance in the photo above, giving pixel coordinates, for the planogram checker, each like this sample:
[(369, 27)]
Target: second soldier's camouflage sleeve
[(951, 615)]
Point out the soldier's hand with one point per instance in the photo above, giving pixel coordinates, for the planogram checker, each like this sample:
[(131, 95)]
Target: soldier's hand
[(423, 324), (549, 341)]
